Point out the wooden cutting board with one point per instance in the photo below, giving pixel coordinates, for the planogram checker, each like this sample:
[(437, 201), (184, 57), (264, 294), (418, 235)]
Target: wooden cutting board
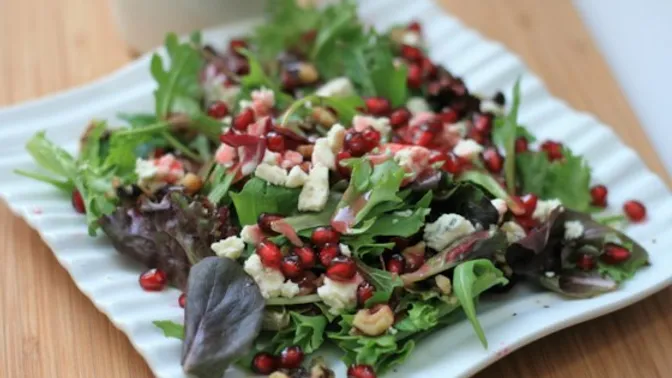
[(50, 330)]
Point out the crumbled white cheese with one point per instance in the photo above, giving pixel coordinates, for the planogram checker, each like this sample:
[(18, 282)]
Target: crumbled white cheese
[(215, 88), (446, 229), (345, 250), (315, 192), (296, 177), (271, 158), (545, 208), (513, 231), (271, 174), (248, 234), (270, 281), (573, 230), (549, 274), (145, 170), (491, 107), (467, 148), (413, 159), (417, 105), (501, 207), (380, 124), (339, 296), (411, 38), (335, 137), (322, 154), (230, 247), (339, 87)]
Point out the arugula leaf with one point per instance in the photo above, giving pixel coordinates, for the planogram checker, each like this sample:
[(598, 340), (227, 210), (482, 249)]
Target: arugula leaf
[(258, 197), (401, 223), (385, 182), (305, 331), (179, 89), (507, 134), (170, 328), (567, 180), (221, 184), (382, 352), (470, 279), (421, 317), (125, 142), (138, 119)]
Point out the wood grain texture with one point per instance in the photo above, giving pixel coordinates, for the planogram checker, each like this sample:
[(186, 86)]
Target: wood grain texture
[(49, 329)]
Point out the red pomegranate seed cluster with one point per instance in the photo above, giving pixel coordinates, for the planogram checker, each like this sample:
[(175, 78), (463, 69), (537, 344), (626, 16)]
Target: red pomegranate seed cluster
[(361, 371), (289, 358)]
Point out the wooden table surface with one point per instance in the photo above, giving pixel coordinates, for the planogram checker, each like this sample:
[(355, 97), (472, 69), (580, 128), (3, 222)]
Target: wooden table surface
[(49, 329)]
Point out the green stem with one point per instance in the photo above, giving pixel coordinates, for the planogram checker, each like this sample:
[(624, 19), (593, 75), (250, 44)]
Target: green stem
[(181, 147), (63, 185), (220, 189), (304, 299), (295, 106)]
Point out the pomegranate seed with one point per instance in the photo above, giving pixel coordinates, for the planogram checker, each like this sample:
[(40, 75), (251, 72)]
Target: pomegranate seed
[(412, 54), (552, 149), (182, 300), (395, 264), (153, 280), (372, 136), (241, 67), (529, 202), (429, 68), (453, 164), (449, 115), (585, 262), (309, 36), (493, 160), (361, 371), (599, 195), (424, 138), (325, 235), (635, 210), (378, 106), (399, 117), (307, 282), (236, 44), (414, 26), (356, 144), (328, 253), (291, 266), (483, 123), (275, 142), (265, 221), (306, 256), (270, 254), (364, 292), (413, 261), (291, 357), (521, 145), (243, 119), (342, 268), (218, 109), (264, 363), (289, 80), (78, 202), (342, 169), (414, 78), (613, 254), (158, 152)]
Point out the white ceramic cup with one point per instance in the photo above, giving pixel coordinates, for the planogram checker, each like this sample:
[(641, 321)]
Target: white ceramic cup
[(144, 23)]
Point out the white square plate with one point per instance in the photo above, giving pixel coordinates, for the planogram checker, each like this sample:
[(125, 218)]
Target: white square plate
[(110, 280)]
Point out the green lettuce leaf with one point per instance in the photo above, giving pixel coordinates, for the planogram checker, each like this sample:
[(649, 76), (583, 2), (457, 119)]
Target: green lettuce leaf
[(567, 180), (470, 279), (258, 196), (170, 329), (421, 317), (305, 331)]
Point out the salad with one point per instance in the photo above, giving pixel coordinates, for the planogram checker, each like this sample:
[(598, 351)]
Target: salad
[(319, 181)]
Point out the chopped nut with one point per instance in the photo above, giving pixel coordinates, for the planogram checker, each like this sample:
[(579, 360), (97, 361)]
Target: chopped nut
[(323, 116), (278, 374), (307, 73), (397, 35), (192, 183), (306, 150), (375, 321), (443, 283), (320, 370)]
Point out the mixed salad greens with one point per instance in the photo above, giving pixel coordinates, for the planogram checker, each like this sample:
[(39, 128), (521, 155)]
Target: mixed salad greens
[(322, 181)]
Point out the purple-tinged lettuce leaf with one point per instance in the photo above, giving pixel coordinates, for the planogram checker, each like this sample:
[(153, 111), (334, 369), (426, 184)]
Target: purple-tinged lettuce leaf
[(170, 235), (480, 244), (546, 257), (223, 317)]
